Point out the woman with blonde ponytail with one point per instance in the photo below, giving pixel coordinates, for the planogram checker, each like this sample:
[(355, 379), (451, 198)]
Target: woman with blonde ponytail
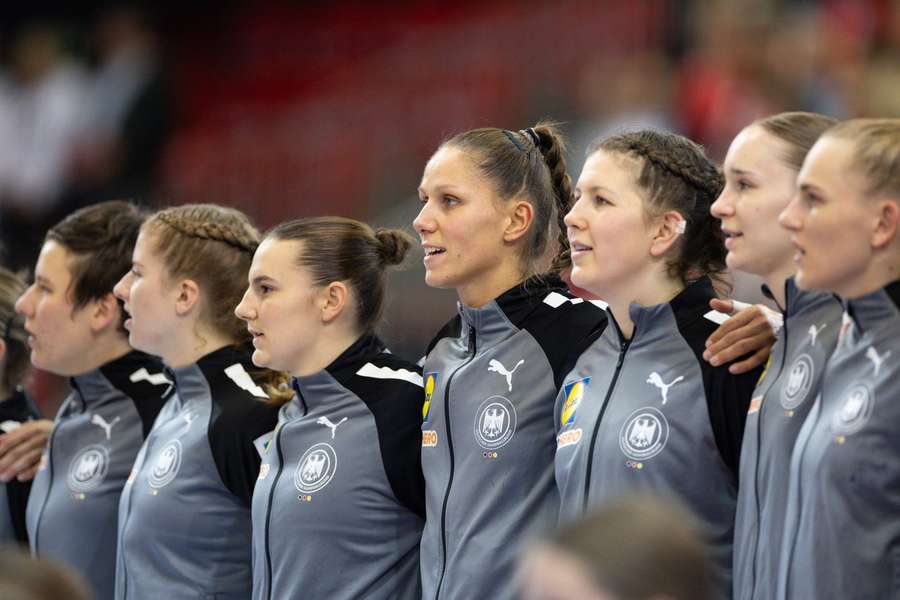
[(184, 515), (339, 506)]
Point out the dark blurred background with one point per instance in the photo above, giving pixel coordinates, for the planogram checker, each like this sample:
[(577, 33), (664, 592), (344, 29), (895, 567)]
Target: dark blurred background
[(286, 109)]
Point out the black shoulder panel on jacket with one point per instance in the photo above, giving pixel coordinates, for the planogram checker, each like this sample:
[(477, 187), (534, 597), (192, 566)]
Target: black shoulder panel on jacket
[(237, 419), (564, 332), (451, 329), (148, 397), (396, 406), (727, 396)]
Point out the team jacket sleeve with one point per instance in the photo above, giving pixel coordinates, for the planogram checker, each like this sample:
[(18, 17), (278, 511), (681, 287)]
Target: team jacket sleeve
[(232, 430), (397, 409), (728, 399)]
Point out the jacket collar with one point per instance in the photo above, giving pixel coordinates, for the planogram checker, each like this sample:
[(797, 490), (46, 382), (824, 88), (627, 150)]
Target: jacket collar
[(873, 310), (91, 387), (656, 321), (192, 381), (314, 389), (493, 321)]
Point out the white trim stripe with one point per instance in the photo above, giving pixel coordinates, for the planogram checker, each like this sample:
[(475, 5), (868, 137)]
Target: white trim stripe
[(370, 370), (717, 317)]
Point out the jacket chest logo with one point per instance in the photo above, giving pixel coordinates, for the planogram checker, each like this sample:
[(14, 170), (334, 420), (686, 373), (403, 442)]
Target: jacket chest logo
[(799, 381), (88, 469), (656, 379), (495, 366), (100, 422), (430, 382), (316, 468), (854, 412), (574, 394), (165, 465), (495, 422), (877, 359), (332, 426), (644, 434)]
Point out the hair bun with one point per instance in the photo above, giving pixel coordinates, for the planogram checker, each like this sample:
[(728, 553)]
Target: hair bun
[(392, 245)]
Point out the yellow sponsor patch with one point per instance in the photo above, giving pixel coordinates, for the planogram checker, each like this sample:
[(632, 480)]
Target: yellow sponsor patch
[(574, 394)]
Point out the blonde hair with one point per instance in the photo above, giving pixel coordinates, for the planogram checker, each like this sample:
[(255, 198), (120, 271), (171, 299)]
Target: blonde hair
[(877, 151)]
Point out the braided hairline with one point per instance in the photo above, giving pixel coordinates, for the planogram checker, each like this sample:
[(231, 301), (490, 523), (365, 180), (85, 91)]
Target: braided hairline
[(208, 231), (640, 148)]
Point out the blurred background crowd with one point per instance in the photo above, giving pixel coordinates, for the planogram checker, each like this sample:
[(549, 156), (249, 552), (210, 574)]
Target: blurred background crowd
[(287, 109)]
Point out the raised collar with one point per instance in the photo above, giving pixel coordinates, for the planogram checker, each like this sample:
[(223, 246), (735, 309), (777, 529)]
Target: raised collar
[(510, 309), (656, 321), (796, 300), (313, 389), (91, 387), (872, 310), (192, 381)]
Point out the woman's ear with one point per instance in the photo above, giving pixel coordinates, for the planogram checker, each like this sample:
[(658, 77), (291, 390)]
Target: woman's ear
[(187, 298), (519, 219), (669, 227), (885, 229), (105, 312), (332, 300)]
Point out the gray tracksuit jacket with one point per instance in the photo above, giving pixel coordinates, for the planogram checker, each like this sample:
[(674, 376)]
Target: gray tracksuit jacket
[(842, 528), (650, 414), (780, 404), (339, 506), (14, 411), (491, 377), (184, 516), (74, 503)]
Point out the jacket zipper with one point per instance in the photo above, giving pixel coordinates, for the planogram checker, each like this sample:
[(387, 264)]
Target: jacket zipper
[(759, 425), (37, 523), (471, 357), (623, 348), (272, 495)]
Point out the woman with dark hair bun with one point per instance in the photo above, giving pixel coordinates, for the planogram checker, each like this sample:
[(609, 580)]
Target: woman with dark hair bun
[(339, 506), (641, 409)]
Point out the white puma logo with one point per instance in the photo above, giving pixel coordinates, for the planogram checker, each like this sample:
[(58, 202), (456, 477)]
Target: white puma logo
[(495, 366), (327, 423), (189, 417), (872, 354), (656, 380), (152, 378), (815, 331), (101, 422)]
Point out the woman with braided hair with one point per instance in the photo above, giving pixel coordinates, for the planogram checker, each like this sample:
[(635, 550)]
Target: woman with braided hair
[(184, 516), (641, 410), (491, 201)]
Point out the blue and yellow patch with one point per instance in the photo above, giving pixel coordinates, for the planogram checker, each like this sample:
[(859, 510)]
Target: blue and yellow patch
[(430, 381), (574, 393)]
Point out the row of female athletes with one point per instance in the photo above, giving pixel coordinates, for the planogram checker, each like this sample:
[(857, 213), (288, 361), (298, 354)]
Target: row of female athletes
[(184, 464)]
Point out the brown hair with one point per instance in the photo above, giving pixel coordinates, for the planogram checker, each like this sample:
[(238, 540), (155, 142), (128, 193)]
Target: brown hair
[(530, 162), (339, 249), (636, 547), (15, 363), (26, 578), (101, 237), (877, 156), (677, 175), (799, 130), (214, 246)]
